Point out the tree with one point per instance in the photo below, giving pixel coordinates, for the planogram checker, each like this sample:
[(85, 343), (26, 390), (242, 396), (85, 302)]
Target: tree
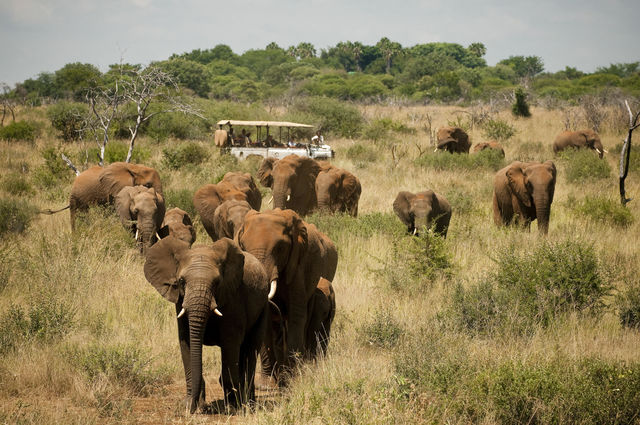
[(189, 74), (477, 49), (524, 67), (8, 103), (73, 79), (354, 50), (521, 108), (388, 49)]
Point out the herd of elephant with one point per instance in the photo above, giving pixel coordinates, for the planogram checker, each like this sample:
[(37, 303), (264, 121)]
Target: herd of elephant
[(264, 285)]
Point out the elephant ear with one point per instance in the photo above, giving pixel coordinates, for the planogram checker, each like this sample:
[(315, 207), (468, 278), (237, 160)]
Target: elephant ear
[(161, 210), (300, 243), (123, 204), (231, 263), (145, 176), (240, 232), (162, 265), (402, 206), (114, 178), (518, 184), (264, 174)]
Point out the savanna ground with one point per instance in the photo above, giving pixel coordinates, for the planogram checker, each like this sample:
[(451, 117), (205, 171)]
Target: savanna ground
[(501, 326)]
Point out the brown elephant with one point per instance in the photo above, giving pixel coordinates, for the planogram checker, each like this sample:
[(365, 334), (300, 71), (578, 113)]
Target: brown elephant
[(578, 140), (141, 210), (423, 209), (178, 224), (523, 192), (220, 293), (492, 145), (238, 186), (337, 190), (295, 256), (292, 181), (99, 186), (453, 139), (229, 217), (322, 310)]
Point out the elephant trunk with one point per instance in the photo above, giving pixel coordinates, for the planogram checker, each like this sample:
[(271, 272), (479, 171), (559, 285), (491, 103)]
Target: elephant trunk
[(543, 211), (199, 310), (146, 232), (280, 194), (420, 222)]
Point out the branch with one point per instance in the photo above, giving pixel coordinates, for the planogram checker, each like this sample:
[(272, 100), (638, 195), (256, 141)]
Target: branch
[(70, 164)]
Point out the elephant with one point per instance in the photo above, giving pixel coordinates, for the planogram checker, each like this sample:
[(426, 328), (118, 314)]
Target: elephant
[(295, 255), (100, 186), (238, 186), (178, 224), (579, 139), (293, 182), (221, 298), (453, 139), (322, 310), (522, 192), (492, 144), (229, 217), (141, 209), (337, 190), (423, 209)]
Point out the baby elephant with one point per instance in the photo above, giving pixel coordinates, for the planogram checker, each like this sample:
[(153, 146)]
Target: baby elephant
[(229, 218), (322, 310), (423, 209), (177, 223)]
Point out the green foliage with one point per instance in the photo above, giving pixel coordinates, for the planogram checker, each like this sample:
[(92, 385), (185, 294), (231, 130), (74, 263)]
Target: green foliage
[(382, 330), (524, 66), (382, 128), (181, 198), (68, 118), (184, 154), (187, 73), (530, 289), (603, 210), (54, 171), (46, 320), (461, 201), (343, 226), (634, 157), (489, 159), (117, 152), (20, 131), (330, 115), (498, 129), (16, 184), (628, 304), (72, 80), (15, 215), (583, 165), (361, 154), (520, 108), (462, 388)]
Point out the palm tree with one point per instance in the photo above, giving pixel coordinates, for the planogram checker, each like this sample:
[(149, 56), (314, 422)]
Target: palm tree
[(389, 49)]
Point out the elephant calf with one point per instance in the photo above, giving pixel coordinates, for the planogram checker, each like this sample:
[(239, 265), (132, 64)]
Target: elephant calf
[(141, 209), (228, 218), (322, 310), (423, 209), (178, 224), (489, 145), (578, 140), (523, 192)]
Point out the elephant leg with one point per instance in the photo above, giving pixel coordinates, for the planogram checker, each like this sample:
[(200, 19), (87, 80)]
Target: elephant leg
[(296, 325), (230, 375)]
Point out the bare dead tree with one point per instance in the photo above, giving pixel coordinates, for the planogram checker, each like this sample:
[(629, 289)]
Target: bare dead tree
[(397, 155), (593, 111), (104, 105), (625, 153), (569, 118), (8, 104)]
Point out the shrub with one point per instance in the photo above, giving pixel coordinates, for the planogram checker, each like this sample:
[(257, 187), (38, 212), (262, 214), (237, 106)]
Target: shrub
[(583, 164), (634, 158), (383, 330), (179, 126), (360, 153), (489, 159), (529, 289), (184, 154), (20, 131), (461, 202), (330, 115), (117, 152), (341, 226), (68, 118), (381, 128), (15, 215), (603, 210), (520, 108), (181, 198), (628, 302), (16, 184), (498, 129), (53, 171)]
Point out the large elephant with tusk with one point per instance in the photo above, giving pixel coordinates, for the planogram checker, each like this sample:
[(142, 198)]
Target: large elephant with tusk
[(423, 210), (295, 256), (579, 140), (221, 298), (141, 209)]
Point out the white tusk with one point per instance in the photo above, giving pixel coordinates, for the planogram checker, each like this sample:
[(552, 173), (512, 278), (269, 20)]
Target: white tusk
[(435, 150), (272, 289), (270, 200), (598, 150), (288, 197), (181, 313), (216, 311), (415, 230), (158, 236), (137, 231), (604, 150)]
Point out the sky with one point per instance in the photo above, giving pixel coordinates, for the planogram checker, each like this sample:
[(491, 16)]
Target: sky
[(44, 35)]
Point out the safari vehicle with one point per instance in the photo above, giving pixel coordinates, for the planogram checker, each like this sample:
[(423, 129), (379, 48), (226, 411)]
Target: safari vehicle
[(264, 145)]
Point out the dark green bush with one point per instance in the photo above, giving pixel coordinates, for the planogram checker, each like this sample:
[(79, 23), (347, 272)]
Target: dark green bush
[(360, 153), (498, 129), (582, 165), (181, 198), (530, 289), (53, 171), (382, 330), (184, 154), (331, 116), (489, 159), (16, 184), (20, 131), (68, 118), (603, 210), (628, 303), (521, 108), (461, 201), (178, 126), (15, 215), (116, 151)]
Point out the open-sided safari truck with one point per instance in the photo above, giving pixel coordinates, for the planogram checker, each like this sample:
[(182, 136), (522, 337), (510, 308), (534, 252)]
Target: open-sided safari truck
[(262, 143)]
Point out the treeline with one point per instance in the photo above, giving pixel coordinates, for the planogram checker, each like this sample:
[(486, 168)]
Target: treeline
[(431, 72)]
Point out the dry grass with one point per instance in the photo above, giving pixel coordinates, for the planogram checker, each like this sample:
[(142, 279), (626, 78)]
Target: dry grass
[(97, 275)]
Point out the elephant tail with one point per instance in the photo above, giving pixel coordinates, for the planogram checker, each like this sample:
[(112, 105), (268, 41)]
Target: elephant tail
[(50, 211)]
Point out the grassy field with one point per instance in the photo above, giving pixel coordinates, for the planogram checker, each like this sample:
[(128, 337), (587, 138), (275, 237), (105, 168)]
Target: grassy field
[(506, 327)]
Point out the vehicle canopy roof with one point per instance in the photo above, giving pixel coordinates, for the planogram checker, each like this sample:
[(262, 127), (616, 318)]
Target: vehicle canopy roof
[(264, 123)]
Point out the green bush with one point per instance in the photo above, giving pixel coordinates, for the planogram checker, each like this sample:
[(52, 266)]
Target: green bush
[(603, 210), (498, 129), (582, 165), (181, 198), (460, 388), (634, 158), (360, 153), (15, 215), (344, 226), (521, 108), (68, 118), (628, 303), (461, 202), (117, 152), (53, 171), (488, 159), (530, 289), (184, 154), (178, 126), (383, 330), (20, 131), (331, 116), (380, 129), (16, 184)]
